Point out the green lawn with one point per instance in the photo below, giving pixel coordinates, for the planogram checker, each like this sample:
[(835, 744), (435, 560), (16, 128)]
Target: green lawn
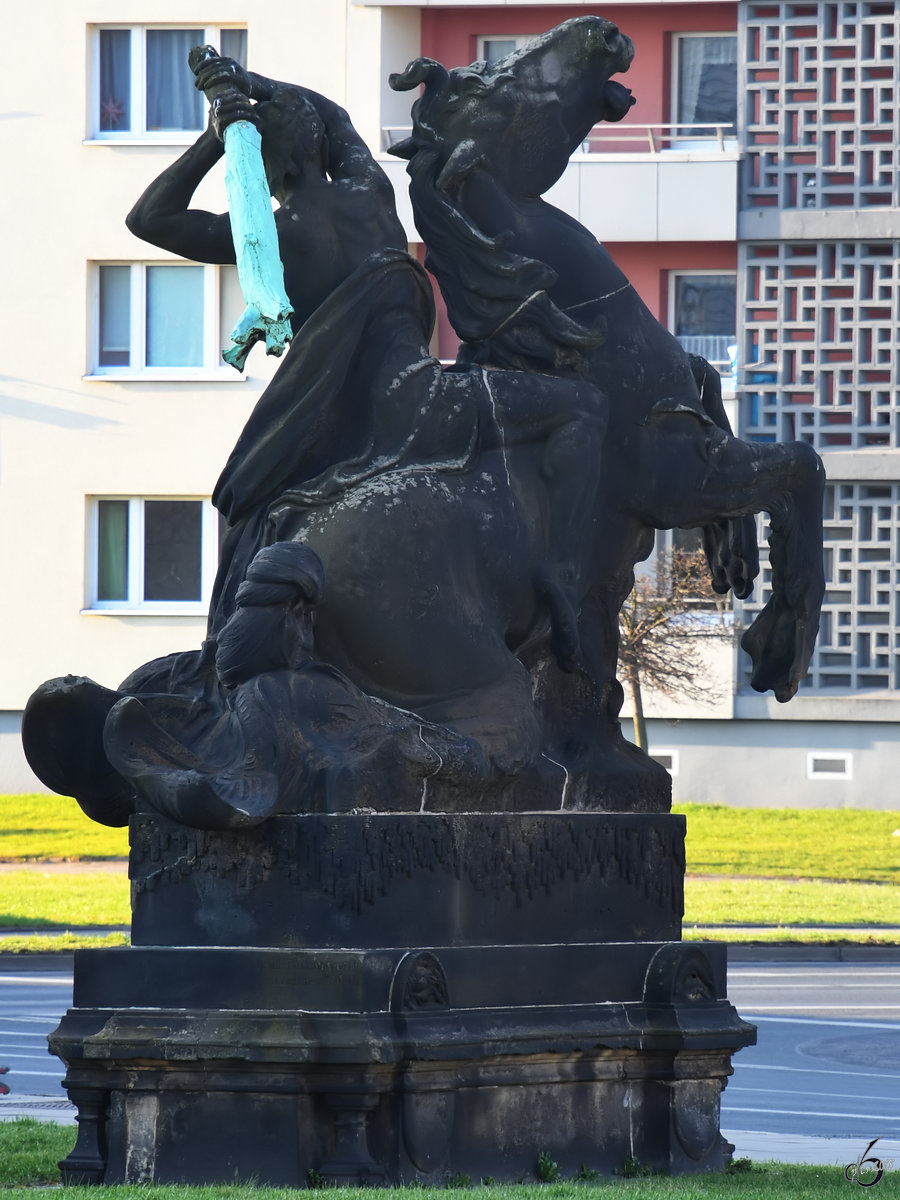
[(816, 843), (29, 1151), (843, 844), (788, 902), (806, 868), (38, 828), (35, 899)]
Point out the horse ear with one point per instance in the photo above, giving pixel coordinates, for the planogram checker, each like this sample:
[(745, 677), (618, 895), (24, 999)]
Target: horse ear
[(405, 149), (420, 70)]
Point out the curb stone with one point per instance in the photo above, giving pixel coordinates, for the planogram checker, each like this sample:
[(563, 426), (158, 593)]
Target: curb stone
[(738, 952)]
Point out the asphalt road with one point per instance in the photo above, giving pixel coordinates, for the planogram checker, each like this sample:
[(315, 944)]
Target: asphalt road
[(827, 1063), (827, 1060), (31, 1004)]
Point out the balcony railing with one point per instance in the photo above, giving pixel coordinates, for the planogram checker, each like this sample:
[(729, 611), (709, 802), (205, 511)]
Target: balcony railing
[(653, 139), (644, 139), (714, 347)]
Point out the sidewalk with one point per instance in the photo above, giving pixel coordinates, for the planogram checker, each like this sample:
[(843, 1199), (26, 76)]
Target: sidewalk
[(42, 1108), (818, 1151)]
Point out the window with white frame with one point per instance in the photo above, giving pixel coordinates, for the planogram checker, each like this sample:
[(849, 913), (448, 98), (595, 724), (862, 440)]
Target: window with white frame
[(152, 554), (159, 319), (667, 759), (142, 85), (493, 47), (825, 764), (703, 314), (705, 79)]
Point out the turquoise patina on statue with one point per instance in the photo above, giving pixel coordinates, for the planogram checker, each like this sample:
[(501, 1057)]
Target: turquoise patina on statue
[(255, 236)]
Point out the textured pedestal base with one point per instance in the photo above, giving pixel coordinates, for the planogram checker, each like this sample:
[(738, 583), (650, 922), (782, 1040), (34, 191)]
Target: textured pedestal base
[(392, 1065), (408, 879), (515, 987)]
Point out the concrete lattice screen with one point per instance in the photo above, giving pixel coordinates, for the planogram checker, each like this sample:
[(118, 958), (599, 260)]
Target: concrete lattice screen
[(819, 318), (821, 91), (820, 342), (859, 635)]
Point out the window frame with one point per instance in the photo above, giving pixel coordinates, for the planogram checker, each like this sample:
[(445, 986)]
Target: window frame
[(213, 337), (138, 134), (679, 272), (678, 40), (672, 755), (844, 756), (520, 39), (135, 604)]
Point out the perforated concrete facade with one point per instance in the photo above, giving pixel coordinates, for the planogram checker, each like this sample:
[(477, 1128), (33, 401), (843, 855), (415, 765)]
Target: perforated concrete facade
[(821, 97), (819, 300), (823, 318)]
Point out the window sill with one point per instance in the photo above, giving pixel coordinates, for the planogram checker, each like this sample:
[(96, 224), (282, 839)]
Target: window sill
[(159, 139), (222, 374), (199, 612)]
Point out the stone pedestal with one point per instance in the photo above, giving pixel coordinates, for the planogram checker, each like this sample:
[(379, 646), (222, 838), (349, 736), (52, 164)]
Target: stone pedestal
[(553, 1008)]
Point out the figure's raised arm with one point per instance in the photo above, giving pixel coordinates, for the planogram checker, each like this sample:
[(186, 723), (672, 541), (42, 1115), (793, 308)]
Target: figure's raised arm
[(347, 155), (162, 215)]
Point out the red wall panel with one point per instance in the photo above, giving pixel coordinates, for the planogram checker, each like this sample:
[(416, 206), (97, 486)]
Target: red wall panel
[(450, 36)]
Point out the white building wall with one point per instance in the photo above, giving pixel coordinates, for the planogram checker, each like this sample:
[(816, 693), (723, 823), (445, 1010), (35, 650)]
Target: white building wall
[(64, 437), (766, 764)]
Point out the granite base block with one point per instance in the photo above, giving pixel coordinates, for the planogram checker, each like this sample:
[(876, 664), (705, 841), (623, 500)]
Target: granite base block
[(205, 1065), (406, 879)]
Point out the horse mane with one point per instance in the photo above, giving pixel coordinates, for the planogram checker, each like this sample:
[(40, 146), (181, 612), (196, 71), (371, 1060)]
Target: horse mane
[(496, 298)]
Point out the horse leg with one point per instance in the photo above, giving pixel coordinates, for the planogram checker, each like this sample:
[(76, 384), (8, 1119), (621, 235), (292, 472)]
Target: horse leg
[(568, 420), (732, 555), (723, 477)]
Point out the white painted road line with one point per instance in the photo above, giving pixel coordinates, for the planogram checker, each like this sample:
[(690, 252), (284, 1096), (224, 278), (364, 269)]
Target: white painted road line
[(862, 1026)]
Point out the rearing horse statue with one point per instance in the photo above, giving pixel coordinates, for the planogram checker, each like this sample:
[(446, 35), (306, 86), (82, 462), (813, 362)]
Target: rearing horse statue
[(417, 602), (487, 142)]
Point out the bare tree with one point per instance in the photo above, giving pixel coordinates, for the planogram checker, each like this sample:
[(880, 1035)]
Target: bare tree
[(658, 628)]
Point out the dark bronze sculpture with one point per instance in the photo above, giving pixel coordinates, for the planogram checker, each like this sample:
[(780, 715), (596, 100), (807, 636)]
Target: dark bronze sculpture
[(478, 526), (402, 893)]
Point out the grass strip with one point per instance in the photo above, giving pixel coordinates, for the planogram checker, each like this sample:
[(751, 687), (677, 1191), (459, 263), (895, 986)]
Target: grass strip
[(30, 1151), (805, 843), (36, 899), (788, 935), (837, 844), (810, 902), (35, 827), (771, 1182), (60, 943)]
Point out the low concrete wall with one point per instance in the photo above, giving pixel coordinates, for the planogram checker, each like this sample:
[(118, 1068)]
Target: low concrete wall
[(780, 764)]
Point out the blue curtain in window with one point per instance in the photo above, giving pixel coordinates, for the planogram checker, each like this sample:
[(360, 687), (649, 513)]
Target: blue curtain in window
[(174, 316), (172, 100), (707, 81), (234, 45), (115, 80), (115, 317)]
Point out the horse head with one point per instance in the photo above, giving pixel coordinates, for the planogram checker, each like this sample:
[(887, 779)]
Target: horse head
[(523, 115)]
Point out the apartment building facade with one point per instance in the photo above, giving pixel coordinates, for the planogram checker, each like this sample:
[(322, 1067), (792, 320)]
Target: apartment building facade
[(751, 196)]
